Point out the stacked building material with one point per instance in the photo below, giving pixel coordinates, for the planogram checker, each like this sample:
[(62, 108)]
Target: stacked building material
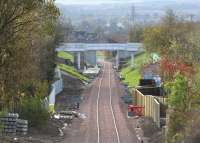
[(12, 125), (9, 123), (22, 127)]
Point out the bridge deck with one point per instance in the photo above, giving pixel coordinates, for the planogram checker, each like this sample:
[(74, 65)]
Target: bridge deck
[(78, 47)]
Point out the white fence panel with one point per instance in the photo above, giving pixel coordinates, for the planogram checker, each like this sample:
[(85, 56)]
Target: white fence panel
[(57, 87)]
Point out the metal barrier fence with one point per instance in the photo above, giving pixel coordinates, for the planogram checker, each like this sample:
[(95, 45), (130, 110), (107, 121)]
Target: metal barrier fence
[(56, 88), (151, 105)]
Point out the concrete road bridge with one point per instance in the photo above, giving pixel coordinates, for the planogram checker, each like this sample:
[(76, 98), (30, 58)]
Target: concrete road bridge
[(86, 52)]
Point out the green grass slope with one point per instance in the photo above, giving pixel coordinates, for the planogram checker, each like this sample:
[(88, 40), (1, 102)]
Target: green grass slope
[(132, 75), (66, 55), (72, 71)]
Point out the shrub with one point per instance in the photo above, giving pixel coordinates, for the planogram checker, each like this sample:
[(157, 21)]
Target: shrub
[(177, 123), (34, 110), (178, 95), (2, 113)]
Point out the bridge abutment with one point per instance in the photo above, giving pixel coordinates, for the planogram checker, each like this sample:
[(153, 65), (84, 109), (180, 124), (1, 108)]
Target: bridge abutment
[(78, 60), (132, 59), (117, 59), (90, 58), (83, 58)]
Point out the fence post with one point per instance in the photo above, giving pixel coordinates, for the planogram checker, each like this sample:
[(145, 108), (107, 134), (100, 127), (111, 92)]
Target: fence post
[(152, 107), (157, 112)]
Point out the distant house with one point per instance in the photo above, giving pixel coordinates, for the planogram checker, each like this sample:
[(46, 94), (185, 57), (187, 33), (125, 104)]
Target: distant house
[(83, 36)]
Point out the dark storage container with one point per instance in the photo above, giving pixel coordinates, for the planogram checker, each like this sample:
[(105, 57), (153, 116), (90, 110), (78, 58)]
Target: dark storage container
[(147, 82), (155, 91)]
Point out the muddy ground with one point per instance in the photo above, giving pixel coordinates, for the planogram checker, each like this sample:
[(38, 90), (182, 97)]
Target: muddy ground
[(50, 133), (71, 95)]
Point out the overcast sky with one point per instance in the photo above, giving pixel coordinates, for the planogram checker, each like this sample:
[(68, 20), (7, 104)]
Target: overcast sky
[(93, 1), (113, 1)]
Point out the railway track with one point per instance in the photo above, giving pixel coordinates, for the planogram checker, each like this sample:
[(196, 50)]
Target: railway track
[(110, 104), (106, 121)]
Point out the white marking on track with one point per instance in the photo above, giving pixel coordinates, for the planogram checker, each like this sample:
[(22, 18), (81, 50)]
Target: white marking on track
[(111, 108), (99, 89), (114, 120)]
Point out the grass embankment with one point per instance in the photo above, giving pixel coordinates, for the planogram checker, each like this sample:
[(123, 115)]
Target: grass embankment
[(72, 71), (133, 75), (66, 56)]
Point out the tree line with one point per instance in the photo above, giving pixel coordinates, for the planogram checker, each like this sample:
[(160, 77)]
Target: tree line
[(177, 41), (28, 39)]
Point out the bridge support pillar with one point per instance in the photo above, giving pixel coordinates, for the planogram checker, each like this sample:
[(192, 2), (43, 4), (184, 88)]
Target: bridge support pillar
[(117, 60), (132, 59), (79, 60), (90, 57)]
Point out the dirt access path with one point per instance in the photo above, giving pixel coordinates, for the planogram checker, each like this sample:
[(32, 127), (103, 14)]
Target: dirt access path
[(106, 121)]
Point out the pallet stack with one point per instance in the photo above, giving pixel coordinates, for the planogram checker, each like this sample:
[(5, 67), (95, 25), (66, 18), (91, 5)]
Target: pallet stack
[(12, 125), (22, 127), (9, 123)]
